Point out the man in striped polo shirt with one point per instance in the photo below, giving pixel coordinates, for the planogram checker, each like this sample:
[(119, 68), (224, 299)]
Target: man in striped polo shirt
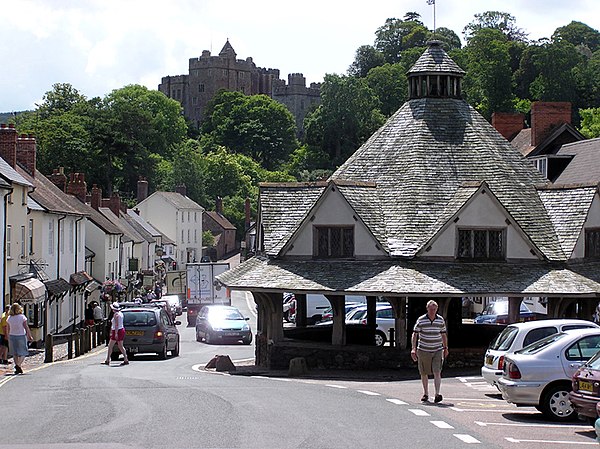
[(430, 348)]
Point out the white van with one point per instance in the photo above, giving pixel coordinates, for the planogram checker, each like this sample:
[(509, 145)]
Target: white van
[(317, 304)]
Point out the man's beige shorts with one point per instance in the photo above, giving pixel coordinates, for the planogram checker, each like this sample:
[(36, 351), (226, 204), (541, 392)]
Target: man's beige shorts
[(429, 362)]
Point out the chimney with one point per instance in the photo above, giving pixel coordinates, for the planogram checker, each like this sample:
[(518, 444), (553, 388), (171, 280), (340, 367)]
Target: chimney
[(546, 116), (181, 189), (59, 179), (247, 212), (96, 199), (508, 123), (142, 189), (219, 205), (77, 186), (8, 144), (113, 203), (26, 149)]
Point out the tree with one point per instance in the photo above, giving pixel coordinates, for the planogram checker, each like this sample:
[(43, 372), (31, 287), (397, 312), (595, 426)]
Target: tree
[(397, 35), (389, 83), (554, 63), (578, 34), (448, 37), (497, 20), (365, 59), (488, 83), (590, 122), (254, 125), (347, 116)]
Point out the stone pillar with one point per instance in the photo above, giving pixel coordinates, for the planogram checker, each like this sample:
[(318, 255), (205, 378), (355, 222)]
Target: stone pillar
[(587, 308), (514, 307), (552, 307), (401, 335), (338, 303), (300, 310), (274, 316)]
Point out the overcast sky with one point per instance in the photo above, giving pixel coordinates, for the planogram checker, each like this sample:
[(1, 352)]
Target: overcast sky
[(101, 45)]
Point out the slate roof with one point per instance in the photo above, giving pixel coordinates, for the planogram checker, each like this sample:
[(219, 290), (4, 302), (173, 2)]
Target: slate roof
[(568, 208), (435, 59), (147, 226), (10, 174), (585, 165), (409, 278), (177, 199), (221, 220), (522, 142), (137, 226), (4, 184), (282, 207), (47, 195), (425, 152), (129, 234)]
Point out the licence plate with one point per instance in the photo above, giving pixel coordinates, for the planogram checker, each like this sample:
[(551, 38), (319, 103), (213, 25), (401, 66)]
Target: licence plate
[(586, 386), (489, 360), (138, 333), (231, 334)]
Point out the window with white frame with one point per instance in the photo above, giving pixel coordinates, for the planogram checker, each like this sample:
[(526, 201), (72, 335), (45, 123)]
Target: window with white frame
[(8, 241), (62, 237), (30, 236), (23, 242), (195, 236), (51, 237), (542, 165), (188, 233), (71, 236), (481, 244)]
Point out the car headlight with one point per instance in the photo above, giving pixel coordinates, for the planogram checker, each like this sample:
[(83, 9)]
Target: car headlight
[(246, 327)]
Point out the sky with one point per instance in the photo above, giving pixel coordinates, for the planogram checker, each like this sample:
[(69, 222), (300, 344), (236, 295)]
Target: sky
[(101, 45)]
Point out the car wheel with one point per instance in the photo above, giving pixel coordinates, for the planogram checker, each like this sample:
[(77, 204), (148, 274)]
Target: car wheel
[(175, 351), (556, 405), (248, 340), (115, 356), (208, 338), (163, 354), (380, 338), (198, 337), (130, 355)]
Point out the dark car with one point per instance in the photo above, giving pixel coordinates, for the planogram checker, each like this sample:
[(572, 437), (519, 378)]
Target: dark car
[(586, 388), (174, 302), (224, 323), (149, 329), (497, 313)]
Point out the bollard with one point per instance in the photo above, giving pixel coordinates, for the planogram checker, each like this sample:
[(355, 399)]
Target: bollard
[(392, 337), (49, 347), (77, 343), (88, 338), (70, 346)]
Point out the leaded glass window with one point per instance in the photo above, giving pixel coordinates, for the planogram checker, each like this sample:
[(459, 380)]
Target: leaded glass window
[(592, 243), (334, 242), (480, 244)]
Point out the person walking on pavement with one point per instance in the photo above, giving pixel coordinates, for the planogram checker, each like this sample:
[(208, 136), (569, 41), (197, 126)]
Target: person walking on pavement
[(430, 348), (18, 335), (98, 315), (4, 337), (117, 334)]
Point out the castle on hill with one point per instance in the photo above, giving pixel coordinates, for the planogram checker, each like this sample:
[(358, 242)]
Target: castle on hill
[(208, 74)]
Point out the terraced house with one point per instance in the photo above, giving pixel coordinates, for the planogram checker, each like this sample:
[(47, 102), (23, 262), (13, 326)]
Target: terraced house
[(436, 204)]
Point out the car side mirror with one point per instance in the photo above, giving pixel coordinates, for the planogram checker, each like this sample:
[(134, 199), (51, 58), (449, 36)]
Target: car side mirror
[(200, 318), (177, 323), (247, 318)]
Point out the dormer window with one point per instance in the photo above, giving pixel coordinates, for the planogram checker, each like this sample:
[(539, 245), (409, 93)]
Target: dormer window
[(481, 244), (334, 242), (592, 243)]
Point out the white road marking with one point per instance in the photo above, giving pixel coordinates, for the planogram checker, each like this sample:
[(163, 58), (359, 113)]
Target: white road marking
[(418, 412), (489, 410), (341, 387), (570, 443), (250, 303), (368, 393), (397, 401), (466, 379), (559, 426), (441, 424), (474, 400), (466, 438)]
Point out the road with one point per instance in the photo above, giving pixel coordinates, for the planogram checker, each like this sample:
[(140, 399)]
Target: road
[(171, 403)]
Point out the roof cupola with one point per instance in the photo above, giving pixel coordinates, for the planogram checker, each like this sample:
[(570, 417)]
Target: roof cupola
[(435, 74)]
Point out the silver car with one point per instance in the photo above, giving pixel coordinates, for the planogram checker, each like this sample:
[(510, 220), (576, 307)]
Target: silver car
[(384, 317), (517, 336), (540, 374)]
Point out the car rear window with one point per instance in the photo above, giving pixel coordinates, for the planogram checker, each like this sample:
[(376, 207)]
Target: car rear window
[(541, 344), (139, 318), (537, 334), (504, 339)]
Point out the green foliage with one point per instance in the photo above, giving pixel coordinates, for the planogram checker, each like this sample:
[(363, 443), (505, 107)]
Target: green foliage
[(496, 20), (590, 122), (254, 125), (554, 63), (397, 35), (208, 239), (390, 85), (577, 33), (366, 58)]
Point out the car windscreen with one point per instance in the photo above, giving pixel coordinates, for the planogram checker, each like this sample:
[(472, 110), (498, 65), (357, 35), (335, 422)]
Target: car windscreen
[(594, 362), (505, 339), (225, 314), (538, 346), (133, 318)]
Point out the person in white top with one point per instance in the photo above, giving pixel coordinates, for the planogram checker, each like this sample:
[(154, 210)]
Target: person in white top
[(117, 334), (18, 335)]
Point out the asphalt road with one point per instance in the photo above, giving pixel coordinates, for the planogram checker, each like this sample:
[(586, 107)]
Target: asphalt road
[(174, 404)]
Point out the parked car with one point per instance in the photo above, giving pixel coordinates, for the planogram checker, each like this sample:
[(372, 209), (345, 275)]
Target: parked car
[(316, 305), (328, 313), (518, 335), (540, 374), (384, 317), (497, 313), (585, 395), (149, 329), (217, 322)]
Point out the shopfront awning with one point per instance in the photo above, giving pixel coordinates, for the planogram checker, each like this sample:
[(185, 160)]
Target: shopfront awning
[(29, 291), (80, 278), (57, 287)]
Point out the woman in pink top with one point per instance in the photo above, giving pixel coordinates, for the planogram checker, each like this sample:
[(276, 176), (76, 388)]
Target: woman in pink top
[(117, 334), (18, 335)]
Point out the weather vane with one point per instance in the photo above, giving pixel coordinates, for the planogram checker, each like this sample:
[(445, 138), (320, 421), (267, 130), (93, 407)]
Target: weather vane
[(432, 2)]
